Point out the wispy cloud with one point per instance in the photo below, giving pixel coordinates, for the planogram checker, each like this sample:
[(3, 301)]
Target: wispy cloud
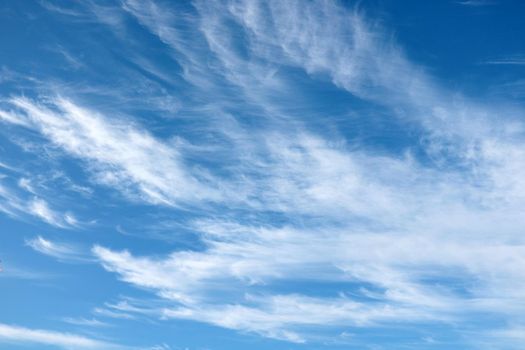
[(122, 155), (512, 61), (11, 270), (57, 250), (17, 205), (12, 118), (277, 316), (393, 263), (8, 167), (21, 335), (88, 322), (25, 194), (39, 208), (105, 312), (476, 3), (51, 6), (428, 233), (390, 221)]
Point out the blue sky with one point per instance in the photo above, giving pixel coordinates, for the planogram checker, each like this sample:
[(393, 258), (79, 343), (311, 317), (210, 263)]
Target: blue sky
[(221, 175)]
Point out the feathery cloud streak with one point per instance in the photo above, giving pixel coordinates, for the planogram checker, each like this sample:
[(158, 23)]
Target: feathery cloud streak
[(60, 340), (120, 154)]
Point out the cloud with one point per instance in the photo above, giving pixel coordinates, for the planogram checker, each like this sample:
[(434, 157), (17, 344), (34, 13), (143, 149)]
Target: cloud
[(241, 261), (122, 155), (433, 238), (512, 61), (8, 167), (12, 118), (431, 233), (277, 316), (17, 205), (85, 322), (10, 204), (26, 185), (60, 10), (10, 270), (112, 314), (56, 250), (21, 335), (39, 208), (476, 3)]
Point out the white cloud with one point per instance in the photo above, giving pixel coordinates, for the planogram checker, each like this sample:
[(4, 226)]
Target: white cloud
[(11, 270), (18, 205), (39, 208), (10, 204), (476, 3), (401, 228), (26, 185), (17, 335), (389, 222), (279, 315), (112, 314), (239, 260), (12, 118), (56, 250), (80, 321), (8, 167), (512, 61), (122, 155)]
